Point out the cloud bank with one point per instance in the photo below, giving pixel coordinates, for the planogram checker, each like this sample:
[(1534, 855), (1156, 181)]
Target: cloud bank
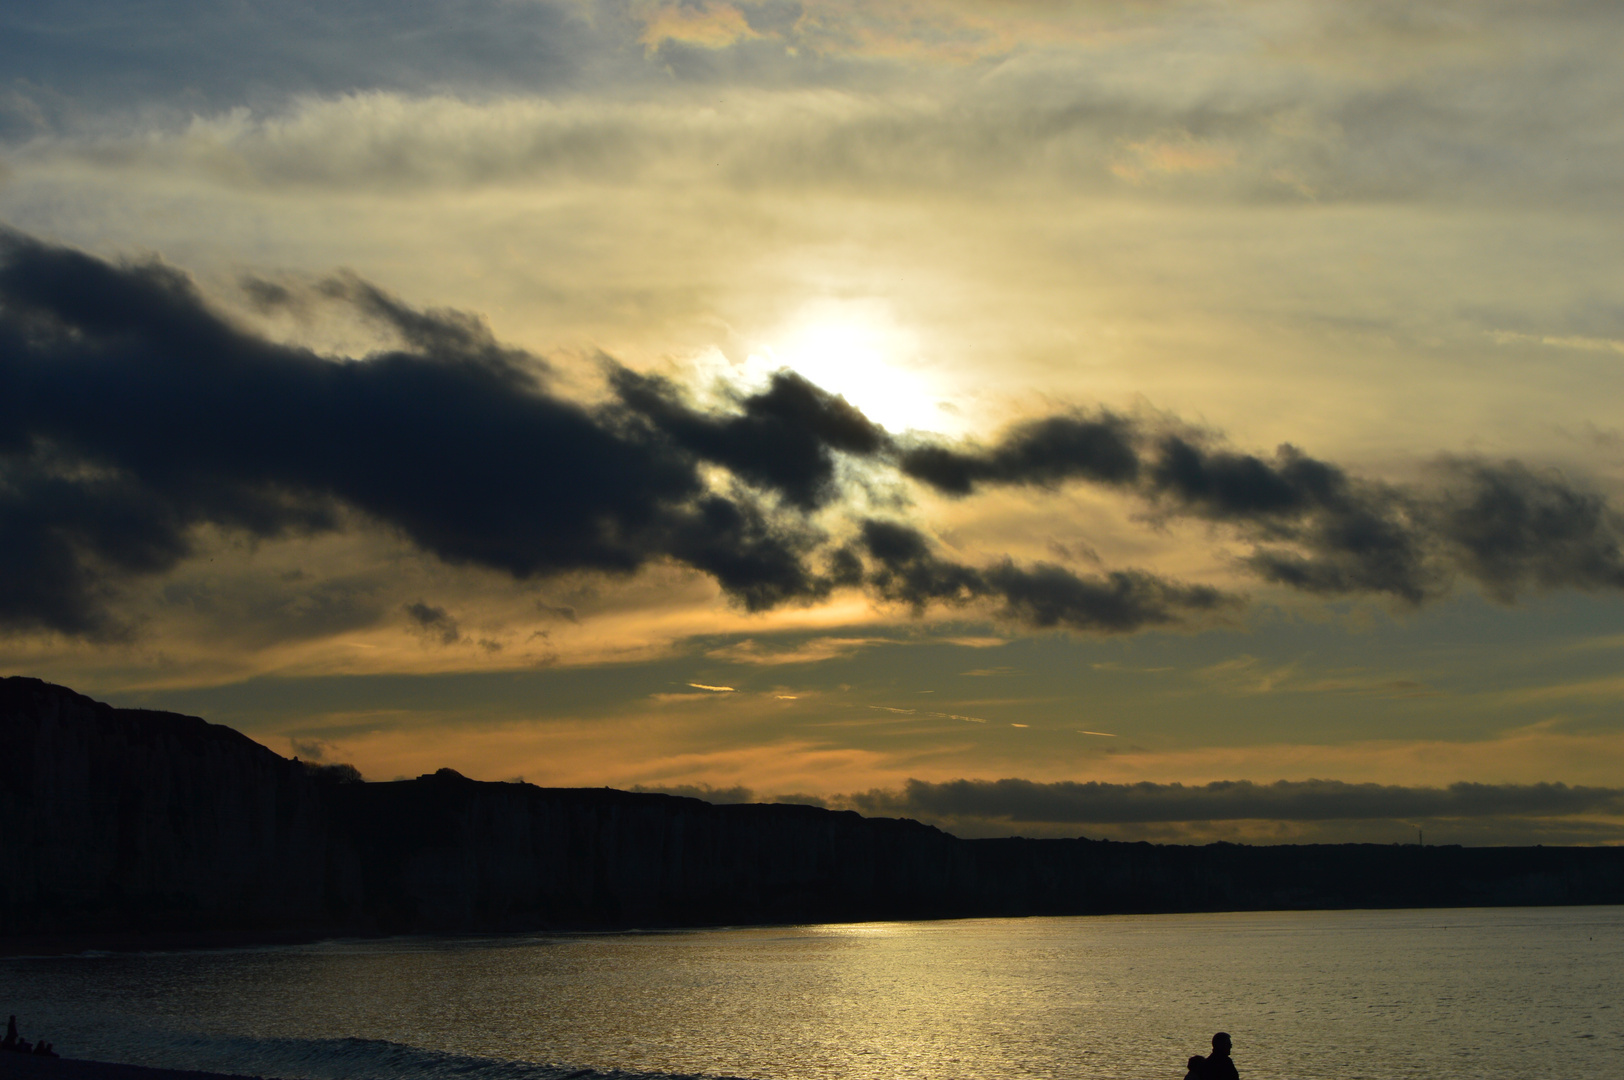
[(1488, 103), (132, 414), (1026, 801), (1503, 525), (1307, 811)]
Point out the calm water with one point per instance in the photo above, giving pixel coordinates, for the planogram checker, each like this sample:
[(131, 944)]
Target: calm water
[(1533, 992)]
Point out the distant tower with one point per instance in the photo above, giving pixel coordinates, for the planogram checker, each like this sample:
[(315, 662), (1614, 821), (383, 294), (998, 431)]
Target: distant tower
[(1420, 837)]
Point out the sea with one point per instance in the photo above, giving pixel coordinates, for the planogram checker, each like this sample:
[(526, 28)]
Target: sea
[(1380, 995)]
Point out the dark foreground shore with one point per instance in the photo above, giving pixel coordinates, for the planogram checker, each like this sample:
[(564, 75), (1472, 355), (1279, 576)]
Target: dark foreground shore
[(176, 941), (29, 1067)]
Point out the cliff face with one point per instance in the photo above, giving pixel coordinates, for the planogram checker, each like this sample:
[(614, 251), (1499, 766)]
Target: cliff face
[(124, 820), (117, 819), (442, 852), (127, 820)]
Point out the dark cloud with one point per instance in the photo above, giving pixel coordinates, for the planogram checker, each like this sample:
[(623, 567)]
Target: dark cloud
[(1041, 595), (1178, 469), (782, 439), (1344, 535), (1118, 602), (1372, 544), (1341, 535), (1099, 447), (439, 334), (69, 529), (1314, 527), (760, 560), (1222, 486), (1512, 529), (704, 792), (436, 621), (722, 796), (792, 798), (1026, 801), (1508, 528), (908, 572), (130, 413)]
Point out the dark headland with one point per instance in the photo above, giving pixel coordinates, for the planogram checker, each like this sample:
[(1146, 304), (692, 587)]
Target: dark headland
[(131, 827)]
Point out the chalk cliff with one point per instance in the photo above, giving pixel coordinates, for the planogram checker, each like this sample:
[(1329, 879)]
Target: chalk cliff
[(120, 821)]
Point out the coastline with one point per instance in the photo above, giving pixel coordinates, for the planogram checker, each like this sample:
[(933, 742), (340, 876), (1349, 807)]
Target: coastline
[(229, 844)]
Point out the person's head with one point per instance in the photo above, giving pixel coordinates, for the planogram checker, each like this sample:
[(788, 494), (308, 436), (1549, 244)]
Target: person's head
[(1220, 1044), (1195, 1063)]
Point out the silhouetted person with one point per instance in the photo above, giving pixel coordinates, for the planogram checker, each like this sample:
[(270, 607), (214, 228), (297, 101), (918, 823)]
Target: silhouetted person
[(1197, 1068), (10, 1042), (1218, 1066)]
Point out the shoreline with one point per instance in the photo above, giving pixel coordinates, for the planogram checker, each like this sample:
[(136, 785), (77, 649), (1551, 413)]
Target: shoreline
[(25, 945), (58, 945), (29, 1067)]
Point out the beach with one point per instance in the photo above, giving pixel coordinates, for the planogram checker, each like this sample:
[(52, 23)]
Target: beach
[(29, 1067)]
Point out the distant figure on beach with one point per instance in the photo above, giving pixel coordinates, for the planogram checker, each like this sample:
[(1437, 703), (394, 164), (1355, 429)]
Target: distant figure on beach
[(10, 1042), (1218, 1066)]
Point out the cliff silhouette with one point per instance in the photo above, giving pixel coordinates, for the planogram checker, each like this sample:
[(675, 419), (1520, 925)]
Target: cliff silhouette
[(134, 822)]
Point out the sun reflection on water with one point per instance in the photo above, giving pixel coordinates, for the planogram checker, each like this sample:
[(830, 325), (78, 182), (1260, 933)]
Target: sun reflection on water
[(1307, 996)]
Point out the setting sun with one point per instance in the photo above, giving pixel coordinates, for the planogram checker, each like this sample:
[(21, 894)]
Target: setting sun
[(857, 350)]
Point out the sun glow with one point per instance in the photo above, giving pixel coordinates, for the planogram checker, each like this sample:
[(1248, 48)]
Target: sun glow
[(855, 349)]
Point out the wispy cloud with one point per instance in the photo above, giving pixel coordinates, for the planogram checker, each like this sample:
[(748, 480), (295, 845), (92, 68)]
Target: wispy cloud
[(815, 651), (1559, 341)]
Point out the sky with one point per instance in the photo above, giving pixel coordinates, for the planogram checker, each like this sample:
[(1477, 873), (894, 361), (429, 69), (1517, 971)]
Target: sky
[(1176, 421)]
